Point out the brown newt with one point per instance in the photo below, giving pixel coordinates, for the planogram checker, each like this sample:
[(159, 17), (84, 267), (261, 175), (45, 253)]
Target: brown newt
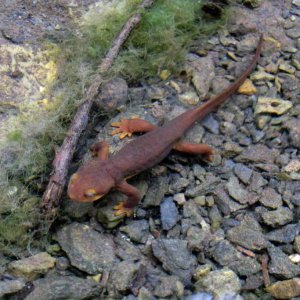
[(98, 176)]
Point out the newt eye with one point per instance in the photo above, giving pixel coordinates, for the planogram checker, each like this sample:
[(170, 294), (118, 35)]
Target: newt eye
[(90, 193)]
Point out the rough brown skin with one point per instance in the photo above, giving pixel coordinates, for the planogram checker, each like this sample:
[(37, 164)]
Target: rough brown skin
[(98, 176)]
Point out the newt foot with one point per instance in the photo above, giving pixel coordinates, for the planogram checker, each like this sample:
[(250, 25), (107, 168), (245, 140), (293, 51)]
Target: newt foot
[(123, 127), (120, 209)]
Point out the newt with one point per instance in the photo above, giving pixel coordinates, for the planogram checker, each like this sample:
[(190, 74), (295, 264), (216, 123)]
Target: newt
[(99, 175)]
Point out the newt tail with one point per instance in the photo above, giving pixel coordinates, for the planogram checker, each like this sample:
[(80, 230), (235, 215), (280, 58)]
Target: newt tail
[(102, 173)]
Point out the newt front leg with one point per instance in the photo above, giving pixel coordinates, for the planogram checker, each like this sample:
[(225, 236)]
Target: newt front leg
[(133, 198)]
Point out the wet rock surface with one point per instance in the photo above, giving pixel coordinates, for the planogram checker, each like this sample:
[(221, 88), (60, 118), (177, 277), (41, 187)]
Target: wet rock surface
[(202, 227)]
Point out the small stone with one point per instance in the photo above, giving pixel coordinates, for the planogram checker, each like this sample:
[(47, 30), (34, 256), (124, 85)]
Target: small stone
[(286, 234), (296, 3), (87, 249), (280, 265), (168, 214), (285, 289), (294, 258), (231, 55), (165, 74), (113, 94), (179, 198), (201, 271), (293, 33), (237, 192), (272, 106), (278, 217), (262, 76), (292, 166), (293, 126), (175, 257), (211, 124), (247, 237), (270, 198), (122, 275), (33, 266), (285, 67), (221, 283), (200, 200), (297, 244), (247, 88), (64, 287), (168, 286), (137, 231), (190, 98), (10, 286), (156, 192), (243, 173), (195, 237), (232, 149), (258, 153)]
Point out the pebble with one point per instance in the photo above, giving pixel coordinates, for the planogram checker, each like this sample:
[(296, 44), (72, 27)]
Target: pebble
[(293, 126), (64, 287), (137, 230), (285, 67), (156, 192), (272, 106), (297, 244), (175, 257), (179, 198), (287, 234), (220, 283), (11, 286), (247, 88), (211, 124), (32, 267), (87, 249), (278, 217), (237, 192), (294, 258), (243, 173), (270, 198), (285, 289), (292, 166), (168, 214), (262, 76)]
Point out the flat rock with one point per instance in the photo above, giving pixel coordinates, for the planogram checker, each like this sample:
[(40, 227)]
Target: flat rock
[(270, 198), (221, 283), (278, 217), (202, 71), (11, 286), (175, 257), (168, 214), (64, 287), (280, 264), (258, 154), (243, 173), (87, 249), (247, 237), (32, 267), (285, 289), (272, 106), (285, 234), (138, 231)]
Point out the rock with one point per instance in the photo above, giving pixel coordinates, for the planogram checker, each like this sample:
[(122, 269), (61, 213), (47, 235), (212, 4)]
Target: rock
[(270, 198), (294, 258), (164, 74), (237, 192), (253, 3), (169, 286), (211, 124), (293, 33), (297, 244), (221, 283), (292, 166), (64, 287), (278, 217), (195, 237), (87, 249), (189, 97), (257, 182), (179, 198), (243, 173), (296, 3), (156, 192), (11, 286), (247, 237), (258, 154), (126, 250), (201, 79), (247, 88), (122, 275), (285, 67), (293, 126), (272, 106), (286, 234), (285, 289), (32, 267), (280, 265), (168, 214), (175, 257), (262, 76), (75, 209), (113, 94), (137, 231)]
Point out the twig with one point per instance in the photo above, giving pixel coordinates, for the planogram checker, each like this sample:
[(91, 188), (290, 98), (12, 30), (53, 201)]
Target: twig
[(57, 181), (245, 251), (264, 269)]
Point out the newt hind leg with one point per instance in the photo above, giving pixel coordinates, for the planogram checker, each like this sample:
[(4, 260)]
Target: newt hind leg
[(127, 127), (193, 148)]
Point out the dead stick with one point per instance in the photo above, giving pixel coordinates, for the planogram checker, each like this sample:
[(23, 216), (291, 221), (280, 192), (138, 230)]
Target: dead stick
[(64, 155)]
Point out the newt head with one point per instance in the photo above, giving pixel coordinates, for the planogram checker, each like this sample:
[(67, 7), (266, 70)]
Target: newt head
[(89, 183)]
